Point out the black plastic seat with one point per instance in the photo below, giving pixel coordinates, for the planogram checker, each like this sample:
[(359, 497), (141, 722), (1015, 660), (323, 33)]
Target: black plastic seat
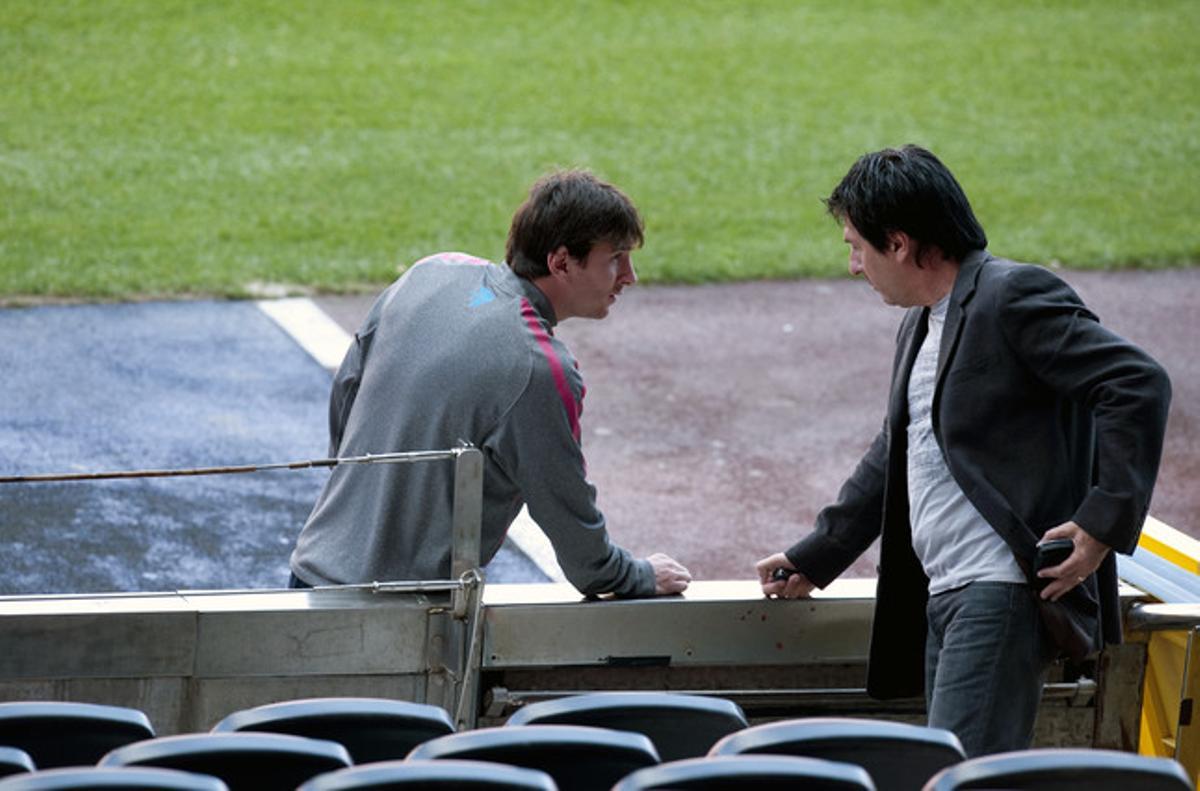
[(14, 761), (413, 775), (681, 726), (1064, 770), (258, 761), (736, 772), (57, 733), (371, 729), (898, 756), (128, 777), (576, 756)]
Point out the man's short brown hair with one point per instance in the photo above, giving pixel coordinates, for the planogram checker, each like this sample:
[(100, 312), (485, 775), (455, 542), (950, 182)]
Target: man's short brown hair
[(569, 208)]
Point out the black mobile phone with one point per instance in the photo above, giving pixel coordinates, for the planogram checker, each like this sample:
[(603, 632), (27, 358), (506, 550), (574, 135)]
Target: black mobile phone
[(781, 574), (1049, 554)]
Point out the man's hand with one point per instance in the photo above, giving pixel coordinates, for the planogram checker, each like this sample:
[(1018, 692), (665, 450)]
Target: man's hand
[(669, 575), (1078, 566), (796, 586)]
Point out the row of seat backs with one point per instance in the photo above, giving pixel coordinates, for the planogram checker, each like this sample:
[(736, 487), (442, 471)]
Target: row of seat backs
[(621, 732), (1033, 770), (411, 775), (371, 729), (596, 755)]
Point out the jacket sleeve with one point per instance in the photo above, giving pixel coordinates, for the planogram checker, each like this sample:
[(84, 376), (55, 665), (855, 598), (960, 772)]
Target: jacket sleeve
[(1126, 391), (845, 529), (537, 446), (349, 375), (345, 386)]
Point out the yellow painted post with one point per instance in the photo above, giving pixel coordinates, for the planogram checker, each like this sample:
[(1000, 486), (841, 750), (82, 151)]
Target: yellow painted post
[(1187, 736), (1165, 662), (1172, 664)]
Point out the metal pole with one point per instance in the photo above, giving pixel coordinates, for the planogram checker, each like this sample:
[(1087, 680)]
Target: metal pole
[(370, 458), (1162, 617), (466, 709), (468, 511)]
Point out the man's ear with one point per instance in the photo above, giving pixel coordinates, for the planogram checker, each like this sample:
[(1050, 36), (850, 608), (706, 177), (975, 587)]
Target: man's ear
[(901, 246), (556, 260)]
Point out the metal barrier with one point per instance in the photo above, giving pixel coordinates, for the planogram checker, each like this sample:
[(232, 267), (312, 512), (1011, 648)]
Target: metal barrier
[(189, 658)]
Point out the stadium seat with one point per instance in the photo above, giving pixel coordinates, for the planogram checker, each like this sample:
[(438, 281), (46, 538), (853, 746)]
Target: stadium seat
[(899, 757), (736, 772), (128, 777), (57, 733), (576, 756), (1063, 770), (681, 726), (14, 761), (464, 775), (243, 760), (371, 729)]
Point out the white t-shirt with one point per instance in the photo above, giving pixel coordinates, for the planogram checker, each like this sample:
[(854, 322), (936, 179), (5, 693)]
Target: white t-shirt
[(954, 543)]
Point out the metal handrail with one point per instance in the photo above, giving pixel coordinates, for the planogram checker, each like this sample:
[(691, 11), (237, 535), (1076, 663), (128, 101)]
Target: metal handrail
[(467, 522), (1163, 617), (402, 457)]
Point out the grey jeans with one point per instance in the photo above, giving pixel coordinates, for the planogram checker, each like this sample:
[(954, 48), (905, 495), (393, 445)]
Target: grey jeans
[(985, 657)]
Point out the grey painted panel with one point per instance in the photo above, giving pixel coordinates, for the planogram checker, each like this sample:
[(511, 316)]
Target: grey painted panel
[(163, 700), (313, 642), (762, 631), (83, 645)]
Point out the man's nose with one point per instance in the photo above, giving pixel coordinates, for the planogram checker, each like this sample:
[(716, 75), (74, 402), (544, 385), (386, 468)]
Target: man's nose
[(855, 266), (630, 276)]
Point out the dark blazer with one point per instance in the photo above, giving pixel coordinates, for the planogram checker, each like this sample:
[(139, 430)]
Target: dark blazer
[(1043, 415)]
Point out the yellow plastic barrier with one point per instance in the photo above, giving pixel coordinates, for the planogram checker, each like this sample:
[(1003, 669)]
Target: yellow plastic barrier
[(1170, 544), (1170, 724)]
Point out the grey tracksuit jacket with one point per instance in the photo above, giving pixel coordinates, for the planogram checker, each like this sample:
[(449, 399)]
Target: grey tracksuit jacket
[(458, 349)]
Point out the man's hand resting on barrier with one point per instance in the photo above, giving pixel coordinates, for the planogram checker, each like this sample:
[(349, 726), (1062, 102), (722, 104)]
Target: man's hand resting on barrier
[(669, 575), (794, 586)]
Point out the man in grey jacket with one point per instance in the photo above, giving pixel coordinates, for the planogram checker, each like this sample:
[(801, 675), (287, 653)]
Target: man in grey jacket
[(463, 349), (1014, 418)]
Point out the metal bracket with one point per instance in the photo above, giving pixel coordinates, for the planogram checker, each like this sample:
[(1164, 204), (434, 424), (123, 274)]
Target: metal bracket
[(468, 511), (470, 596)]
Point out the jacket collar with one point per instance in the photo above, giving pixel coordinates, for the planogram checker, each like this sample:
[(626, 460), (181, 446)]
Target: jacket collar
[(526, 288), (968, 278), (964, 289)]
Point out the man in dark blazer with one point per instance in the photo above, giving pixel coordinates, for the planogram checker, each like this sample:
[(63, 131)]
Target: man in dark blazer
[(1014, 418)]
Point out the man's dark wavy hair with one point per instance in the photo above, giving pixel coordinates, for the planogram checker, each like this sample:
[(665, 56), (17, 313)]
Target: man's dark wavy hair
[(571, 208), (909, 190)]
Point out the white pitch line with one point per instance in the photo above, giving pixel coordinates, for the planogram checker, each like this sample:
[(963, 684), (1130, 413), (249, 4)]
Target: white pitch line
[(326, 341), (311, 327), (530, 539)]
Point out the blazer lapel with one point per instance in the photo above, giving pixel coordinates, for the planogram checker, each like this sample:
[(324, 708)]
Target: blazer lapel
[(964, 289)]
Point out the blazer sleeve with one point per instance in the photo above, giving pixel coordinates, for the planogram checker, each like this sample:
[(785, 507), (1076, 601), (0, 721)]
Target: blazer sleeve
[(846, 528), (1125, 390)]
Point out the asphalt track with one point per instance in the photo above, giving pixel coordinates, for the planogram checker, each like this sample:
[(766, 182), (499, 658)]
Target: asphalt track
[(718, 420)]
